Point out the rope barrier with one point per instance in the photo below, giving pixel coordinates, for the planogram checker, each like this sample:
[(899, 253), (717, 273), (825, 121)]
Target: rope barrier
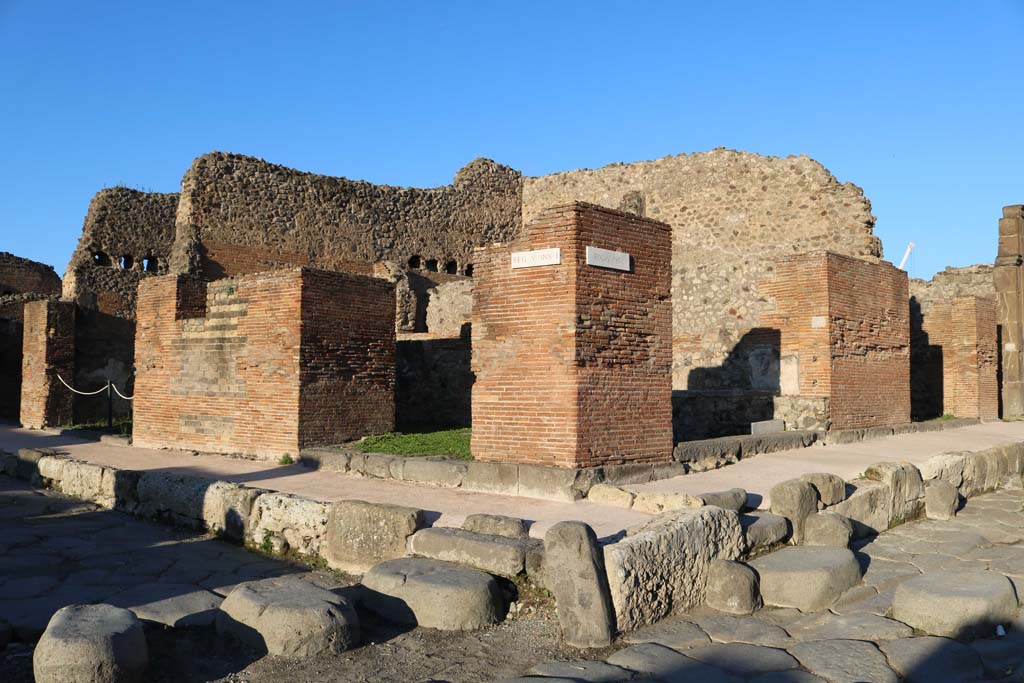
[(127, 398), (84, 393)]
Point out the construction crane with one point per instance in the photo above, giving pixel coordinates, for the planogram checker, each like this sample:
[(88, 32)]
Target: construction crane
[(906, 255)]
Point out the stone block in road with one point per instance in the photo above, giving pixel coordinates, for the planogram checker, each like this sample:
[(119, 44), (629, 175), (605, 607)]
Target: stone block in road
[(91, 644), (360, 534), (808, 578), (433, 594), (289, 617), (956, 604), (493, 554), (733, 588), (578, 581)]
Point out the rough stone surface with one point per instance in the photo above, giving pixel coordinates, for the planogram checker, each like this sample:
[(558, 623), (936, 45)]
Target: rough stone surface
[(743, 658), (906, 486), (844, 661), (828, 528), (830, 487), (732, 587), (948, 466), (807, 578), (493, 554), (579, 584), (433, 594), (607, 494), (584, 671), (869, 507), (289, 617), (676, 634), (763, 530), (361, 534), (860, 626), (662, 567), (300, 523), (795, 500), (733, 499), (940, 499), (655, 503), (955, 604), (91, 644), (928, 659), (496, 525)]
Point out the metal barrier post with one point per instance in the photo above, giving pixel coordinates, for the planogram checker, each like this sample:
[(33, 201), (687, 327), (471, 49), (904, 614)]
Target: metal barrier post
[(110, 407)]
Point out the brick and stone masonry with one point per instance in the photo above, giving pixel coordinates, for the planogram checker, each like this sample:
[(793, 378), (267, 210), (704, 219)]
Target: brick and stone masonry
[(844, 337), (264, 364), (1010, 307), (964, 331), (574, 361), (48, 351)]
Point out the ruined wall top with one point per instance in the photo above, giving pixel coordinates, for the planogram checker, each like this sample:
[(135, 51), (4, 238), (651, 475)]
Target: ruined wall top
[(24, 276), (243, 214), (126, 235), (953, 283)]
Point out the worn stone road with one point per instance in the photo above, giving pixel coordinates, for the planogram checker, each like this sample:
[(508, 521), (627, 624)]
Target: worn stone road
[(854, 641)]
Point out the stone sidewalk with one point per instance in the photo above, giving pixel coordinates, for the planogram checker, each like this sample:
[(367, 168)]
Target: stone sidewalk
[(449, 507)]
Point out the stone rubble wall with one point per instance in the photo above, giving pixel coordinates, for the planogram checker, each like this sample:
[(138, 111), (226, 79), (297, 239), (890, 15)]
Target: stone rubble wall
[(953, 283), (24, 276)]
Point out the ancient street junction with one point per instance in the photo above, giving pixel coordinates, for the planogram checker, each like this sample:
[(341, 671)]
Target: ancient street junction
[(715, 435)]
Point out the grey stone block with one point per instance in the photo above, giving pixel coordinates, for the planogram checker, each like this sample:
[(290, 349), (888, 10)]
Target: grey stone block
[(828, 529), (807, 578), (733, 588), (956, 604), (928, 659), (289, 617), (940, 499), (763, 530), (868, 505), (496, 525), (844, 660), (607, 494), (171, 604), (433, 594), (28, 459), (830, 487), (556, 483), (380, 465), (906, 487), (324, 459), (578, 581), (439, 471), (767, 427), (492, 477), (795, 500), (691, 451), (841, 436), (493, 554), (733, 499), (361, 534), (91, 644)]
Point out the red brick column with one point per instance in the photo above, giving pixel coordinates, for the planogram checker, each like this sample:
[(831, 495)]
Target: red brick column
[(48, 350), (572, 359), (965, 329)]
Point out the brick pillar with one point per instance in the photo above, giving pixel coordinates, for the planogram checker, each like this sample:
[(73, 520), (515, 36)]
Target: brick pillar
[(48, 350), (1010, 307), (572, 342)]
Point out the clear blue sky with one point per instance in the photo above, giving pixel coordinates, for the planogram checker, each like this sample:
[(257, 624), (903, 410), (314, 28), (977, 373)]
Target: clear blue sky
[(919, 103)]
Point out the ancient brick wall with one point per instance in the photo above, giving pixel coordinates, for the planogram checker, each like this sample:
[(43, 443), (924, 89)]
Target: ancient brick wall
[(12, 315), (126, 236), (48, 351), (347, 360), (263, 364), (844, 337), (241, 214), (434, 382), (23, 276), (952, 283), (963, 331), (573, 361)]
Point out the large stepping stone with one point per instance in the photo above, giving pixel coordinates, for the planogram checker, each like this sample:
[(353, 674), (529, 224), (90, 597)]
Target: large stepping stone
[(434, 594), (807, 578), (928, 659), (91, 644), (493, 554), (290, 617), (955, 604), (170, 604)]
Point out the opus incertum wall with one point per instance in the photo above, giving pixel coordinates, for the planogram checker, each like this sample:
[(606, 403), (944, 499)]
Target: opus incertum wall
[(264, 364), (572, 341)]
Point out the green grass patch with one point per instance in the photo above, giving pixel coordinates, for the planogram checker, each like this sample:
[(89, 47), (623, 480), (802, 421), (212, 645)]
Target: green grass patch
[(122, 426), (452, 443)]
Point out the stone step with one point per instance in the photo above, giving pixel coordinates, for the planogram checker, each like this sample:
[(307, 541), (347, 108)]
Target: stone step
[(956, 604), (499, 555), (807, 578)]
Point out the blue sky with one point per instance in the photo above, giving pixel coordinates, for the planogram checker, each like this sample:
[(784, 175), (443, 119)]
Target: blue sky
[(919, 103)]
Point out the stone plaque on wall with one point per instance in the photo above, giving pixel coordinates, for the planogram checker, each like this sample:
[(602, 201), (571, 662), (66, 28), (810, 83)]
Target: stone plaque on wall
[(536, 257)]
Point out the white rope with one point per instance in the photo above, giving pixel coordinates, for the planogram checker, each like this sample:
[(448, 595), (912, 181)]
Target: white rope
[(127, 398), (84, 393)]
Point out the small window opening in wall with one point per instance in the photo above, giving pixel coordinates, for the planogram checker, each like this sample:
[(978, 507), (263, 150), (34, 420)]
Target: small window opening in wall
[(468, 270), (431, 265), (451, 267), (127, 262), (149, 264), (414, 262), (100, 259)]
